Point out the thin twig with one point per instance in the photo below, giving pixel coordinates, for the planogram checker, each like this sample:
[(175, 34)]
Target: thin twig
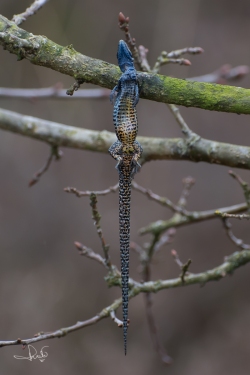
[(163, 59), (178, 61), (183, 51), (97, 219), (237, 241), (183, 266), (137, 248), (144, 64), (154, 331), (165, 239), (244, 185), (232, 216), (146, 272), (146, 255), (187, 132), (76, 85), (115, 319), (124, 26), (188, 183), (55, 152), (33, 8), (89, 253), (176, 258), (185, 269), (79, 194), (172, 57), (146, 258), (162, 200)]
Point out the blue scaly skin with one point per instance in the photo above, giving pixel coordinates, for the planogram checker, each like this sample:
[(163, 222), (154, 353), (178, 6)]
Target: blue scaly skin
[(126, 151)]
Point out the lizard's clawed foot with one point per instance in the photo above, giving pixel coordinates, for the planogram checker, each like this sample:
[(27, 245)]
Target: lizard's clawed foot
[(118, 164), (135, 167)]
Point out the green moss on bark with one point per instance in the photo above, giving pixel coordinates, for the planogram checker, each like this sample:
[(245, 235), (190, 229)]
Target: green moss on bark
[(42, 51)]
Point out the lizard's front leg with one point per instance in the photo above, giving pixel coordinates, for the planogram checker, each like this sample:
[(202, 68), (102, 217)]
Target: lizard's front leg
[(116, 151)]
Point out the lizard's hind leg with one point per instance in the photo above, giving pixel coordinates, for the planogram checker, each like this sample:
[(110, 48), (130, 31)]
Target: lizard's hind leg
[(135, 164), (116, 152)]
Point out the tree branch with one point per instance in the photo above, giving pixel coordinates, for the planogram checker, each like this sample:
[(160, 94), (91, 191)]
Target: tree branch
[(39, 50), (179, 220), (230, 264), (196, 150)]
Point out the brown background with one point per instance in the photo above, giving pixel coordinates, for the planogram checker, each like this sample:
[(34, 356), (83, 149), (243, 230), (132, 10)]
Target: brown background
[(44, 284)]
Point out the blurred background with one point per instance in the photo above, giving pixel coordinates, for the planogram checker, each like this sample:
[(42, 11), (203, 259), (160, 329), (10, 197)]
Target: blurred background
[(44, 283)]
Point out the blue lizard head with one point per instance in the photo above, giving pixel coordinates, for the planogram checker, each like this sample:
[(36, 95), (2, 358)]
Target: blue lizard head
[(124, 56)]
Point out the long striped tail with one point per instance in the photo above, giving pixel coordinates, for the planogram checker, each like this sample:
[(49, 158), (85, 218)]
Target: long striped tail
[(124, 224)]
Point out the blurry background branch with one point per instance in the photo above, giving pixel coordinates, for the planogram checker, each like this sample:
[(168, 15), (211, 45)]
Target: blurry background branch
[(55, 91), (224, 74)]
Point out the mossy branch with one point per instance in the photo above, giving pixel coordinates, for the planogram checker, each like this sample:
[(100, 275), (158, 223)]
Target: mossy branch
[(39, 50)]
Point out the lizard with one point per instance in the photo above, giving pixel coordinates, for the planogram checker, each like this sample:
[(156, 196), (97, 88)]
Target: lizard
[(126, 151)]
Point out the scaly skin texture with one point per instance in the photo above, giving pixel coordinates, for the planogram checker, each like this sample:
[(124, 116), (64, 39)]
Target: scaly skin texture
[(126, 151)]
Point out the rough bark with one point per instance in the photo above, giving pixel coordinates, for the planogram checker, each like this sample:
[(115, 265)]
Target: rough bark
[(39, 50)]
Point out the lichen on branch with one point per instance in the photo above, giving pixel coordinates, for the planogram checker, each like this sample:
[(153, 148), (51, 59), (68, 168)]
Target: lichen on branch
[(39, 50)]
